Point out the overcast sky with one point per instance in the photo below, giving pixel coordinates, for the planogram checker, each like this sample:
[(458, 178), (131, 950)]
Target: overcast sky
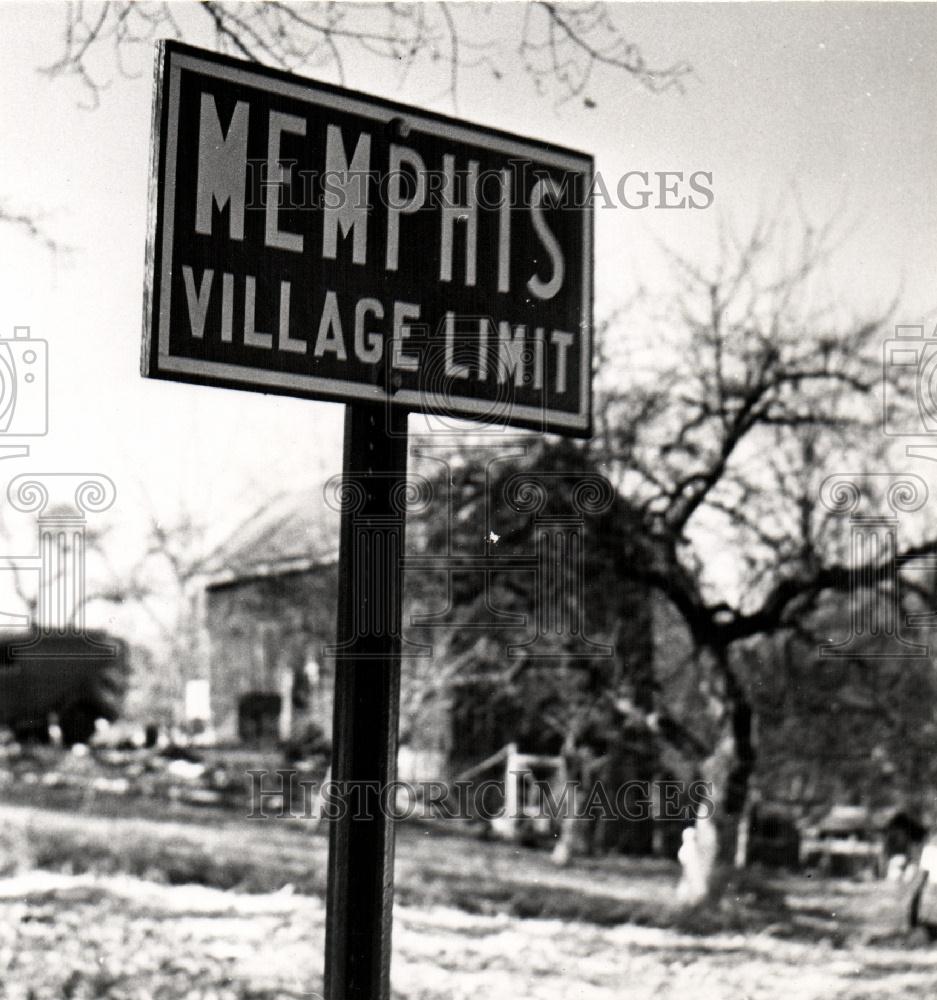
[(835, 99)]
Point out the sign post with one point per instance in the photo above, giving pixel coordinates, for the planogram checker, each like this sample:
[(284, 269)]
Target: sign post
[(311, 241), (367, 695)]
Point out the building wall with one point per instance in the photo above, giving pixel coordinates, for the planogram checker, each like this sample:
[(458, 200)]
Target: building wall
[(268, 635)]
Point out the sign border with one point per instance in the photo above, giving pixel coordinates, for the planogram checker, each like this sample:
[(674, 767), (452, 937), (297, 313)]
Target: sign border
[(156, 362)]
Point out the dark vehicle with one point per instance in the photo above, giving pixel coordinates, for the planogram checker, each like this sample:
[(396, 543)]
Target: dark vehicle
[(77, 678)]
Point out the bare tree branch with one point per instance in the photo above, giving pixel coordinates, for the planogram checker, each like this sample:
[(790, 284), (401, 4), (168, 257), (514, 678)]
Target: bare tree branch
[(561, 46), (30, 224)]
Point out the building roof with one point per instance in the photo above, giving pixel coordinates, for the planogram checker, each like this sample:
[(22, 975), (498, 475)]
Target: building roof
[(295, 531), (860, 819)]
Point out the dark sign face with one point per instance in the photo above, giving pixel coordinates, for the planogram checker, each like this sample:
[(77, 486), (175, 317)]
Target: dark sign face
[(317, 242)]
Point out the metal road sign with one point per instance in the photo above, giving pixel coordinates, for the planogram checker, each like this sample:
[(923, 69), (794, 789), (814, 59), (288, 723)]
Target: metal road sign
[(312, 241), (309, 240)]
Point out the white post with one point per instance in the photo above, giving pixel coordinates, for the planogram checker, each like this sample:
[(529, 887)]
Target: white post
[(510, 790)]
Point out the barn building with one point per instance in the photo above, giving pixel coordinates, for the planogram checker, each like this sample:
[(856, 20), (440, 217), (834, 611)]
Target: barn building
[(270, 607), (270, 618)]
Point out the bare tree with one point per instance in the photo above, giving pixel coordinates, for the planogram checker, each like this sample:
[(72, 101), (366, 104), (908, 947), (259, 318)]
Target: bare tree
[(165, 587), (561, 47), (554, 660), (762, 388)]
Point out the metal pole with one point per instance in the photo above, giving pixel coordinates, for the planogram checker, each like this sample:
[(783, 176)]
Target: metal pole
[(367, 700)]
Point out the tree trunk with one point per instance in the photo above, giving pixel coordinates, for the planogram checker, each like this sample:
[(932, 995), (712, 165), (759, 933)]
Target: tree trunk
[(710, 847), (568, 845), (573, 839), (633, 759)]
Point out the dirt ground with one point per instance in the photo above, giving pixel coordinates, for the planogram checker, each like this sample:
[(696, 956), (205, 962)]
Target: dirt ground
[(120, 938), (115, 936)]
